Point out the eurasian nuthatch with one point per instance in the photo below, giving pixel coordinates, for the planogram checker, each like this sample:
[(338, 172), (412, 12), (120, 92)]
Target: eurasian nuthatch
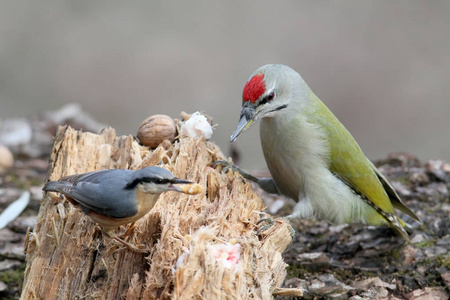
[(117, 197)]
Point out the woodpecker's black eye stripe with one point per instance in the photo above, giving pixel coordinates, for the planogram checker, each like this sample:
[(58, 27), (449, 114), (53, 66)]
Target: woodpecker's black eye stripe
[(267, 98), (279, 108)]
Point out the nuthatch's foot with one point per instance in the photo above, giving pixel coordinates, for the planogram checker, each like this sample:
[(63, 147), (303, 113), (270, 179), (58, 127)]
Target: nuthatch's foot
[(131, 246), (270, 221), (128, 245), (129, 230)]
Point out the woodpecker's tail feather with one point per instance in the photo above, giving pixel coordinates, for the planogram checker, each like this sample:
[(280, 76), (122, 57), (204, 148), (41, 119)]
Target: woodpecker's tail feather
[(398, 226)]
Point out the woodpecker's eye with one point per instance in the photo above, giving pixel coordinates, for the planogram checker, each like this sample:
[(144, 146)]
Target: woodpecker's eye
[(267, 98)]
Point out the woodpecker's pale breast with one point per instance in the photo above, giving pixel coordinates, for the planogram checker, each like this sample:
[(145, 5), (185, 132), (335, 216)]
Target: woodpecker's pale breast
[(298, 157), (287, 167)]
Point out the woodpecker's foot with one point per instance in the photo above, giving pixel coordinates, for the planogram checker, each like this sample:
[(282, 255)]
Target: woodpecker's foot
[(270, 221), (229, 166), (269, 224), (226, 165)]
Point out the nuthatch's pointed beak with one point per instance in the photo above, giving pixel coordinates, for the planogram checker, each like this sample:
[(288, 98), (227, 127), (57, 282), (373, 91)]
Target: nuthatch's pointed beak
[(173, 187), (247, 118)]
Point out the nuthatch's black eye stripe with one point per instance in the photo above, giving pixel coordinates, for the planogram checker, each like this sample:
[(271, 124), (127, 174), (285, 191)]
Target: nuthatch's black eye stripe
[(155, 180), (160, 180)]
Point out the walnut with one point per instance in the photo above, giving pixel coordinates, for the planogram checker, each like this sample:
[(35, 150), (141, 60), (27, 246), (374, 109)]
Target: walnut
[(155, 129)]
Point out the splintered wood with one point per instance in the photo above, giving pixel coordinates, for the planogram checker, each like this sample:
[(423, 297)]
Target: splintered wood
[(200, 246)]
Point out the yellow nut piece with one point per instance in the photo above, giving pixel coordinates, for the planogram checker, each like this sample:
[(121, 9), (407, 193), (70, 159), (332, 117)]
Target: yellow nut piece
[(191, 189)]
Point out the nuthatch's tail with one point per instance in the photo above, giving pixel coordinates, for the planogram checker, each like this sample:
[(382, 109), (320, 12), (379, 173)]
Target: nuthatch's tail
[(51, 186)]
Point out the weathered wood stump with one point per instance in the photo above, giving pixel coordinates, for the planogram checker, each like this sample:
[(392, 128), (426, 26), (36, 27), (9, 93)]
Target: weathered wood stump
[(68, 257)]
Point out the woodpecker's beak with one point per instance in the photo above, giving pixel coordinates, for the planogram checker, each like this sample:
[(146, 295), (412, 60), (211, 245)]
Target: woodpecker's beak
[(173, 187), (247, 118)]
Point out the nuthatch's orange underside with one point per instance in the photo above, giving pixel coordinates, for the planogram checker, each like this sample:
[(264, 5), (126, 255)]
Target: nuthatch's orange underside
[(116, 197)]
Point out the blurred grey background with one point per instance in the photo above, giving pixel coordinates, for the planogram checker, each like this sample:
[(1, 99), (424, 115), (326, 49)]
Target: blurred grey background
[(383, 67)]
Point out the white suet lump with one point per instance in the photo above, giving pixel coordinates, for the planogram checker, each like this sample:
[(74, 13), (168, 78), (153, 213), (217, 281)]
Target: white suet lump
[(197, 126)]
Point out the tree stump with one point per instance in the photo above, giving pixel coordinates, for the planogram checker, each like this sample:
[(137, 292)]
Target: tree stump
[(68, 257)]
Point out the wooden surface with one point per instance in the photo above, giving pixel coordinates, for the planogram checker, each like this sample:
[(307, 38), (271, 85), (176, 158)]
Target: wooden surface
[(68, 257)]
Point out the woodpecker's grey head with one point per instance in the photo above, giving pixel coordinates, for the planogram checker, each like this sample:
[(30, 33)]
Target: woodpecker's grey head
[(155, 180), (270, 91)]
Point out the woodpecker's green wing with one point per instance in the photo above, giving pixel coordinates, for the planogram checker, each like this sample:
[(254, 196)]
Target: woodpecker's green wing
[(348, 161)]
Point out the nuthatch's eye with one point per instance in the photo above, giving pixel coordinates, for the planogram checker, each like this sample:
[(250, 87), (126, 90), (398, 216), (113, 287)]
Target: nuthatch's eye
[(159, 181)]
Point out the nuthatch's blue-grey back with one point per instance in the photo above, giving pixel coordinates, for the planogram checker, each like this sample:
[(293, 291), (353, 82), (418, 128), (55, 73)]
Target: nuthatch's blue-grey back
[(117, 197)]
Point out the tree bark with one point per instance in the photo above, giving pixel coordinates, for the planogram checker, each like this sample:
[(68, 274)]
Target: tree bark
[(68, 257)]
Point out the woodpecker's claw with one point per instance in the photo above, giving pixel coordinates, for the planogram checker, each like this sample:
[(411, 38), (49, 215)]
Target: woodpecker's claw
[(227, 166), (269, 224), (266, 219), (270, 221)]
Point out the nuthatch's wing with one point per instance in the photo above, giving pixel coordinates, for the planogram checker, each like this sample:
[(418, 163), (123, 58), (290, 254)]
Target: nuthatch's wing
[(102, 192), (93, 177)]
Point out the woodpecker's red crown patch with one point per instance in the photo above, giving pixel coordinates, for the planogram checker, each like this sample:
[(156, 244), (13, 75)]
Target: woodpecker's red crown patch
[(254, 88)]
